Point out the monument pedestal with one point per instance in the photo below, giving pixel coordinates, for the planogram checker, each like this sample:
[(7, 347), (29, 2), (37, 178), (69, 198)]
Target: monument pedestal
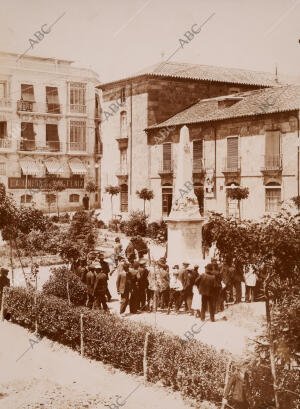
[(185, 241)]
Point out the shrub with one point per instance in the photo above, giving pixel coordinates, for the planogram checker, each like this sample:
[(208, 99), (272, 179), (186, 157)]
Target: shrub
[(136, 224), (65, 218), (57, 285), (195, 369), (100, 224), (54, 218), (158, 231), (114, 225)]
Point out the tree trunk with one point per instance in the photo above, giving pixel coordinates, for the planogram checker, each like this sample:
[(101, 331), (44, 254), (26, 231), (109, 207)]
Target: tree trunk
[(11, 263), (271, 343), (239, 207), (19, 257), (111, 204), (145, 207), (57, 205)]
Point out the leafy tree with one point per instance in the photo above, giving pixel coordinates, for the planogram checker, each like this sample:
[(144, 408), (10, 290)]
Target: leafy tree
[(296, 200), (54, 186), (145, 194), (112, 191), (272, 246), (91, 187), (238, 193)]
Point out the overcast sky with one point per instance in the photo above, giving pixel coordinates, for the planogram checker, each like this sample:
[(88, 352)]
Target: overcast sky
[(117, 37)]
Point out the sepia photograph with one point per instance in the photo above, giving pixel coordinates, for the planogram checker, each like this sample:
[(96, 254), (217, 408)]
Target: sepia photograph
[(150, 204)]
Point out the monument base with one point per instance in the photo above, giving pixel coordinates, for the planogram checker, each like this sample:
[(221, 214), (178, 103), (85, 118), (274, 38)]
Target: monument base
[(185, 241)]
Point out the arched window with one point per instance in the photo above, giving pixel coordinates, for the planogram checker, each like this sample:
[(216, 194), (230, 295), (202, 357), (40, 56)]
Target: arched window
[(167, 196), (123, 124), (273, 197), (74, 198), (26, 199), (232, 206), (124, 198)]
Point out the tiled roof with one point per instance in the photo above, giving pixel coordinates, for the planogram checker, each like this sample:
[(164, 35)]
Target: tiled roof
[(207, 73), (257, 102)]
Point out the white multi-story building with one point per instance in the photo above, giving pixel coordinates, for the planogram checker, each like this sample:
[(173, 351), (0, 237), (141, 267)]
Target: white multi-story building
[(49, 127)]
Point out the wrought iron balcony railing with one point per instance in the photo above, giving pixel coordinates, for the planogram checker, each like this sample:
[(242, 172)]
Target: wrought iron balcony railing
[(78, 108), (77, 147), (272, 162), (198, 166), (5, 143), (5, 103), (231, 164), (40, 107), (166, 167), (40, 146)]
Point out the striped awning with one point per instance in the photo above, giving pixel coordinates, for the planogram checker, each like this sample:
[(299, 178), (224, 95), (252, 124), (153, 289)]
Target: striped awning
[(54, 167), (29, 166), (77, 167)]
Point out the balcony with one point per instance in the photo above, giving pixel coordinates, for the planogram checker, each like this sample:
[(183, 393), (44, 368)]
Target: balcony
[(5, 103), (75, 147), (38, 107), (77, 108), (271, 163), (5, 143), (122, 141), (231, 165), (166, 168), (122, 171), (198, 166), (40, 146)]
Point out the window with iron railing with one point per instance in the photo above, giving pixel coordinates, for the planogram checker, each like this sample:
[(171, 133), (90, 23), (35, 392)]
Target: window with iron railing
[(27, 137), (74, 198), (167, 157), (77, 136), (52, 100), (26, 199), (198, 154), (77, 97), (273, 197), (52, 138), (272, 158), (3, 129)]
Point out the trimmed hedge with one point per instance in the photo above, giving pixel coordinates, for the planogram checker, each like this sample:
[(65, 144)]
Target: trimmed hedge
[(195, 369), (57, 285)]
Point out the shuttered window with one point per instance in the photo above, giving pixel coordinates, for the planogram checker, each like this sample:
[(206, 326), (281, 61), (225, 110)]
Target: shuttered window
[(27, 93), (232, 152), (272, 149), (197, 154), (167, 156), (124, 198), (52, 100)]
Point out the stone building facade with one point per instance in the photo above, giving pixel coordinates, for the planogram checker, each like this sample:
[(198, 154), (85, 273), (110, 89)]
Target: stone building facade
[(133, 161), (49, 128), (246, 147)]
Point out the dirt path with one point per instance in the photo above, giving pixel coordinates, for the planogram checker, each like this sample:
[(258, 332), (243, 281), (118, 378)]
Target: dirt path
[(51, 376)]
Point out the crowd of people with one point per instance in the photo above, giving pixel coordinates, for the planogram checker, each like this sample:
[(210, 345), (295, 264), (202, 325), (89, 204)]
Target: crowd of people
[(144, 284)]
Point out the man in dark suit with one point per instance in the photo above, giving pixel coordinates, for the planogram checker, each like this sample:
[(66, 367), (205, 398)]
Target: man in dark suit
[(90, 282), (100, 288), (206, 286), (123, 285), (142, 283), (105, 269)]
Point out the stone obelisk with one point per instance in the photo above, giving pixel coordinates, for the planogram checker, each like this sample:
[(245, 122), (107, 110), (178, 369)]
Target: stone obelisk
[(184, 222)]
